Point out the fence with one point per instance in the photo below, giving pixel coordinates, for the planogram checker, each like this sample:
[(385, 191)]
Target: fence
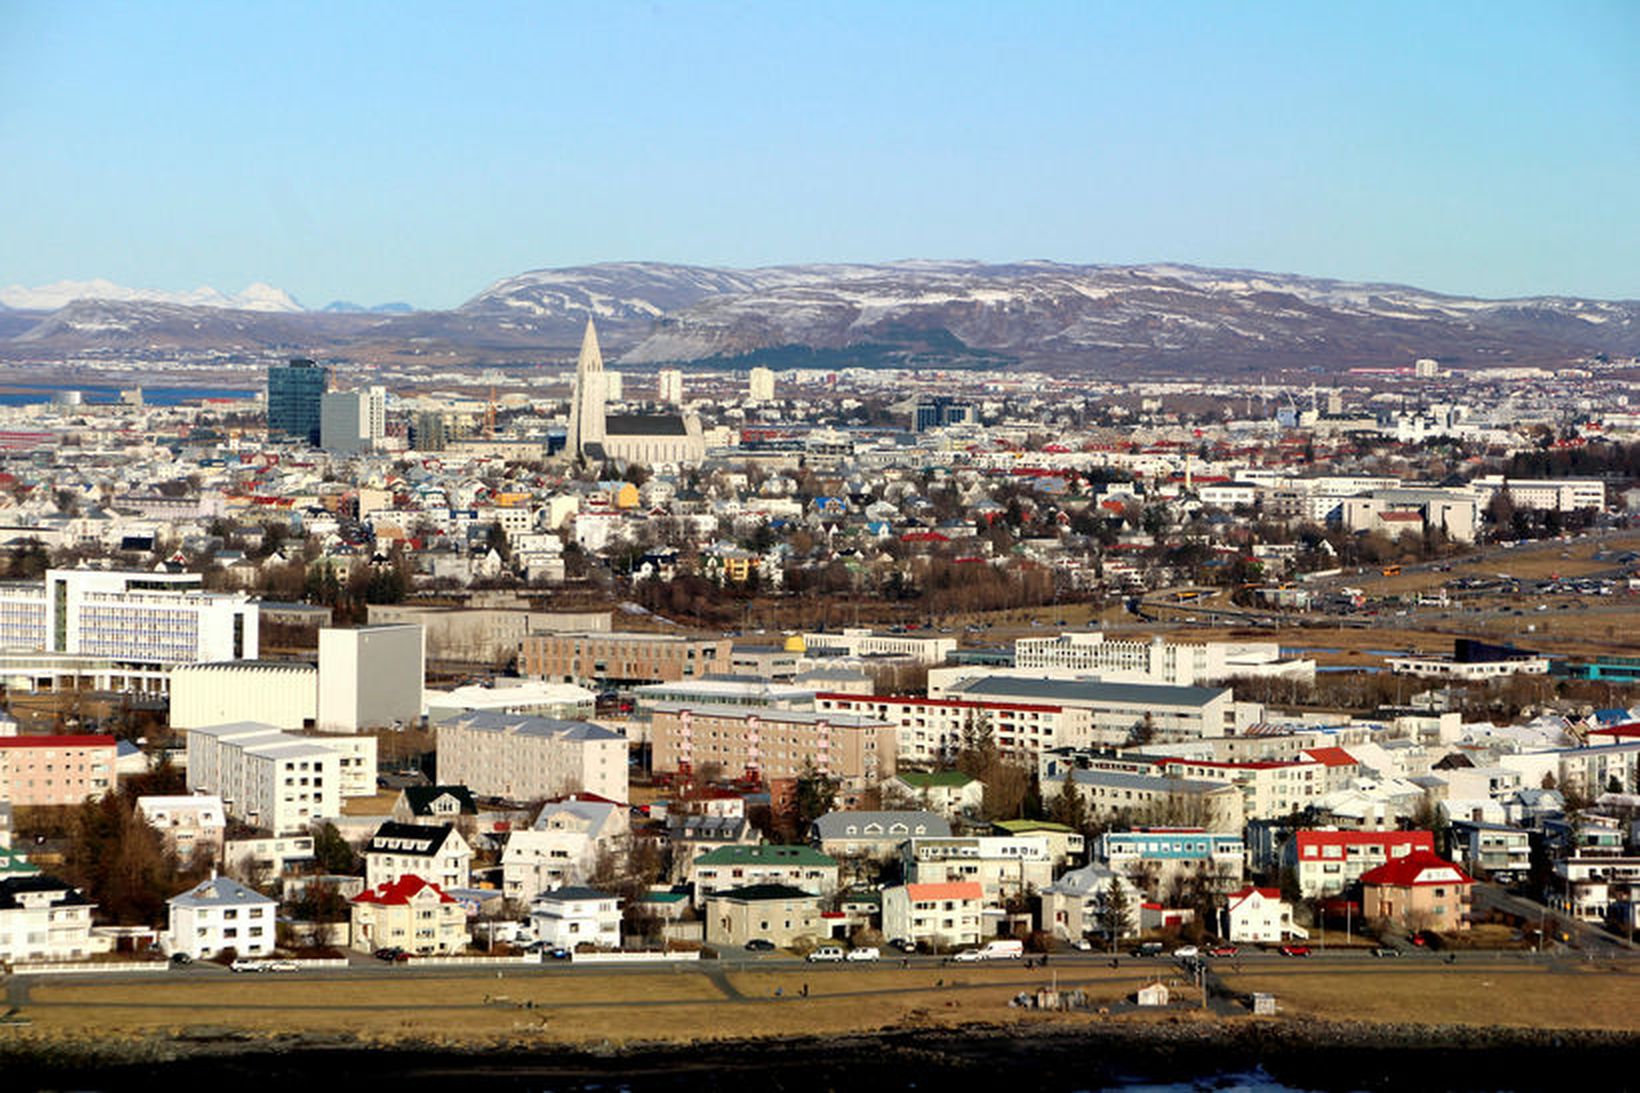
[(100, 966), (632, 958)]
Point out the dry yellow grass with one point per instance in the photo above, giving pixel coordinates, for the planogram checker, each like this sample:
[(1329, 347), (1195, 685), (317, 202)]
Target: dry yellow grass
[(687, 1005), (1509, 995)]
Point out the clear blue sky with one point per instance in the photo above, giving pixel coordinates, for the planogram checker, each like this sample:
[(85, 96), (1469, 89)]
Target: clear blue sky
[(416, 152)]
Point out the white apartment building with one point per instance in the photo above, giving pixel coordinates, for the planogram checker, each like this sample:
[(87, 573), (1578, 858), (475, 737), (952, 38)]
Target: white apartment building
[(859, 641), (191, 824), (279, 780), (669, 387), (1181, 664), (1554, 494), (1003, 867), (529, 758), (932, 730), (1119, 710), (353, 421), (432, 852), (283, 694), (42, 918), (760, 385), (127, 629), (219, 914)]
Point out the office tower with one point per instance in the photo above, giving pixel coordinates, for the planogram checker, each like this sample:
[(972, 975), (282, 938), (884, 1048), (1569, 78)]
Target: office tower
[(353, 421), (760, 385), (295, 391)]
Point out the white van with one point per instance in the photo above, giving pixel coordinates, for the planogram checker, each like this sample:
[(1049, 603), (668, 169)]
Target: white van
[(826, 954), (1011, 949)]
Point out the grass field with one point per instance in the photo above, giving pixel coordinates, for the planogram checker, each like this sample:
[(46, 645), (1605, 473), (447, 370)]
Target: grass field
[(1506, 995), (689, 1005)]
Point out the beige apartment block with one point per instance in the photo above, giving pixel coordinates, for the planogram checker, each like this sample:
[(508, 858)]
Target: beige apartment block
[(621, 657)]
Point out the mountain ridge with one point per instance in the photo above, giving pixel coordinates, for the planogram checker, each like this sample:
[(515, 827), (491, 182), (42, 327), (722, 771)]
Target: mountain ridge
[(919, 312)]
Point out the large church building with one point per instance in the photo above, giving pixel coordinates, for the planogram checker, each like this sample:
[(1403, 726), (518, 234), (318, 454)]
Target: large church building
[(648, 439)]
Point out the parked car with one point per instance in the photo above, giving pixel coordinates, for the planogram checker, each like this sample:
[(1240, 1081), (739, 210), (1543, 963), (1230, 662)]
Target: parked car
[(1223, 950), (180, 959), (248, 966), (864, 955), (903, 945), (1295, 950), (282, 966), (1187, 952), (968, 956), (1385, 950), (1148, 948), (390, 952), (1011, 949), (826, 954), (760, 945), (1082, 944)]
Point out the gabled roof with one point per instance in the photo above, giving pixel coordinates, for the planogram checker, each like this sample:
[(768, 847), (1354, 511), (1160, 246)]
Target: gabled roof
[(1331, 757), (766, 854), (1235, 898), (420, 839), (419, 799), (401, 892), (872, 825), (1419, 868), (219, 892)]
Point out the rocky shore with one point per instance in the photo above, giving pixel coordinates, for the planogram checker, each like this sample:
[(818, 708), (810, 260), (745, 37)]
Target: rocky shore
[(1308, 1055)]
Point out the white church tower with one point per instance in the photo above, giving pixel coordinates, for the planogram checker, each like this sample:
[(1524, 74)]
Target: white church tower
[(586, 415)]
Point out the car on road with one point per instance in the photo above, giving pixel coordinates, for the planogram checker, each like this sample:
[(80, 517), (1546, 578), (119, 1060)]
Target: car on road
[(390, 952), (1385, 950), (1082, 944), (760, 945), (1148, 948), (903, 945), (1295, 950), (826, 954), (282, 966), (1223, 950), (248, 966), (864, 955), (968, 956), (1187, 952), (179, 959)]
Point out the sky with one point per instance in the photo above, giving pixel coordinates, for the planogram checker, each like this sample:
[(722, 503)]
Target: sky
[(417, 152)]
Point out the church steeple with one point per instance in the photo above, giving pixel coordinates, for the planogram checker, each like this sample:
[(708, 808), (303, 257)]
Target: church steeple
[(586, 413), (591, 358)]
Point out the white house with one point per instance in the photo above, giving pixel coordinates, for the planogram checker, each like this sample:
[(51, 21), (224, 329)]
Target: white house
[(220, 914), (1259, 914), (567, 917), (435, 853), (1078, 904), (944, 915), (43, 918), (190, 824), (562, 846)]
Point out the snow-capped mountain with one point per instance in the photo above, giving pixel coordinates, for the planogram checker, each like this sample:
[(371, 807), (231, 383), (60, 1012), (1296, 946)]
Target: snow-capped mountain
[(1162, 317), (256, 297)]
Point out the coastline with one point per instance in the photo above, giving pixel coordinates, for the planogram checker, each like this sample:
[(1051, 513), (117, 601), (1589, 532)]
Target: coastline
[(1302, 1055)]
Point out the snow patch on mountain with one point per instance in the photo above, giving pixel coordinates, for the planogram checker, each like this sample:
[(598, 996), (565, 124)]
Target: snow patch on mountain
[(255, 297)]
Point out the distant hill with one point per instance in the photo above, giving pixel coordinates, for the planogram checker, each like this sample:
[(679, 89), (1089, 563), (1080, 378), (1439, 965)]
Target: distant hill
[(913, 313)]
